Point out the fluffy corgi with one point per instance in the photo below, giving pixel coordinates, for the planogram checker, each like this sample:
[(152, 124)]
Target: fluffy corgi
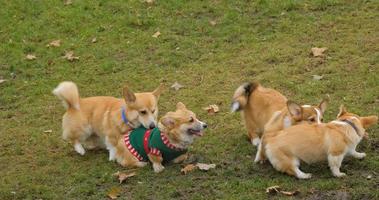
[(168, 142), (317, 142), (99, 121), (259, 104)]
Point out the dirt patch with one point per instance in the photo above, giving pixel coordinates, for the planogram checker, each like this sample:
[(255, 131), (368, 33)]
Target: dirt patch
[(322, 195)]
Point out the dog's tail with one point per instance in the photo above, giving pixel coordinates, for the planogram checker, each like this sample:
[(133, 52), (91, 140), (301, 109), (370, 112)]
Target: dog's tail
[(68, 92), (242, 94)]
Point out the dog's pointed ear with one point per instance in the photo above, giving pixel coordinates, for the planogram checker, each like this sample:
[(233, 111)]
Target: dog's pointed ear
[(180, 105), (294, 109), (368, 121), (157, 92), (128, 95), (342, 111), (168, 122), (323, 105)]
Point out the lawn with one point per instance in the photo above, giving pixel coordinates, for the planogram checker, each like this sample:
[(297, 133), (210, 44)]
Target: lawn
[(210, 47)]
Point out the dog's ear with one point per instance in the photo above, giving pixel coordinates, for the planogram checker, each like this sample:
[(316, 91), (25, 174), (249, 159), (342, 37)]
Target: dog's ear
[(180, 105), (128, 95), (368, 121), (323, 104), (294, 109), (342, 111), (168, 122), (157, 92)]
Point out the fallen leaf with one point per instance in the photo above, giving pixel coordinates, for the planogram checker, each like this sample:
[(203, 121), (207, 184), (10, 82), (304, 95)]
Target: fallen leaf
[(369, 177), (212, 109), (276, 189), (212, 22), (188, 168), (31, 57), (156, 34), (114, 192), (318, 52), (177, 86), (48, 131), (150, 1), (2, 80), (67, 2), (54, 43), (123, 176), (94, 40), (317, 77), (205, 167), (70, 56)]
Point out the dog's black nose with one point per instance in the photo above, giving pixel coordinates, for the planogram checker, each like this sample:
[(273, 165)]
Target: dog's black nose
[(152, 125), (205, 125)]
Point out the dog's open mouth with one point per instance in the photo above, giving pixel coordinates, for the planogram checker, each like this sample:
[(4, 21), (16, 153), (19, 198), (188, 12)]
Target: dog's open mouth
[(195, 132)]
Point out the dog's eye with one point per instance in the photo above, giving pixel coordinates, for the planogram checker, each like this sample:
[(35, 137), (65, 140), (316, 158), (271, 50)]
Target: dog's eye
[(191, 120), (143, 112)]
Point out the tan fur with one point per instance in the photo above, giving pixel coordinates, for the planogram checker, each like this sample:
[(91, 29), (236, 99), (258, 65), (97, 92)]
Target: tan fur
[(175, 126), (97, 121), (312, 143), (259, 104)]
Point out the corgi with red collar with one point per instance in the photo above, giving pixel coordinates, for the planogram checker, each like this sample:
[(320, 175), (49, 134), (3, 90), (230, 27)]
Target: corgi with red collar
[(317, 142), (98, 122), (168, 142), (259, 104)]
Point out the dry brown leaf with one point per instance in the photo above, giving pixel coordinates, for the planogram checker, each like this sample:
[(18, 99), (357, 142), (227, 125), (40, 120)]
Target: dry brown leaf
[(318, 52), (212, 23), (293, 193), (150, 1), (67, 2), (31, 57), (276, 189), (48, 131), (205, 167), (156, 34), (317, 77), (177, 86), (123, 176), (212, 109), (94, 40), (70, 56), (114, 192), (188, 168), (2, 80), (54, 43)]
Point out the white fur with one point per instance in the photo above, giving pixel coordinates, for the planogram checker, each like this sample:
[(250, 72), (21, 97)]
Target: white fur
[(318, 115), (79, 148), (287, 122), (258, 154), (256, 141), (335, 164), (111, 149), (158, 167), (235, 106), (306, 106)]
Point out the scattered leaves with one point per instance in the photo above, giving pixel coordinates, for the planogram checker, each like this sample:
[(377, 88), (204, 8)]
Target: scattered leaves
[(205, 167), (94, 40), (31, 57), (212, 109), (276, 189), (177, 86), (318, 52), (67, 2), (212, 23), (48, 131), (114, 192), (70, 56), (317, 77), (54, 43), (2, 80), (123, 176), (156, 34), (188, 168)]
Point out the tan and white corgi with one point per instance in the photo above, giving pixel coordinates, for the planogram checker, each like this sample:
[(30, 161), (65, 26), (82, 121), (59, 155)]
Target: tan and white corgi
[(98, 122), (168, 142), (331, 141), (259, 104)]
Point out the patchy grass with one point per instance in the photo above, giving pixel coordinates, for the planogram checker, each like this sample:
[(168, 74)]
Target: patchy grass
[(262, 40)]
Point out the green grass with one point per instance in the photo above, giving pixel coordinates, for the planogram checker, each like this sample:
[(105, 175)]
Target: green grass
[(263, 40)]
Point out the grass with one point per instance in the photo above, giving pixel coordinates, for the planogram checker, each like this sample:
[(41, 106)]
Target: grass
[(263, 40)]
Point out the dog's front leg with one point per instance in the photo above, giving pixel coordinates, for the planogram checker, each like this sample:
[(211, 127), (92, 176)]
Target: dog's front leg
[(180, 159), (335, 164), (356, 154), (157, 162)]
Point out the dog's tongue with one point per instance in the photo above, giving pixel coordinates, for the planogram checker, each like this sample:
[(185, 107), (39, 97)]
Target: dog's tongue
[(198, 133)]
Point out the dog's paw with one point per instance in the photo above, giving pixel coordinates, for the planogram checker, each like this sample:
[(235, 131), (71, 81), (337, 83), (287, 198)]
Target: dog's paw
[(141, 164), (339, 175), (305, 176), (360, 155), (158, 168), (256, 141), (79, 148)]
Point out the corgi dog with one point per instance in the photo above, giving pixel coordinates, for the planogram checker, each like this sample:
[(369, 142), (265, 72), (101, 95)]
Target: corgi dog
[(312, 143), (259, 104), (167, 142), (97, 122)]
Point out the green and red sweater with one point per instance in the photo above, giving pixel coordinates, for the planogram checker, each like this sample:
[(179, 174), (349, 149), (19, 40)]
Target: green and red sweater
[(142, 141)]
